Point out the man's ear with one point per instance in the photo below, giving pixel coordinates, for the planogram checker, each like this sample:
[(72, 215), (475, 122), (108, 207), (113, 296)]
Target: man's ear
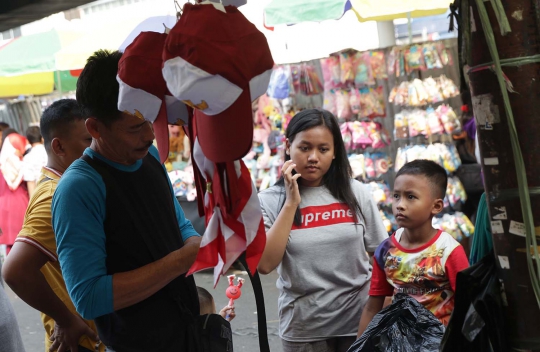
[(438, 206), (57, 147), (93, 127)]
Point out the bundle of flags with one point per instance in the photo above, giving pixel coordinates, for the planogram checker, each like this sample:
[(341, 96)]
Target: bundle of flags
[(204, 74)]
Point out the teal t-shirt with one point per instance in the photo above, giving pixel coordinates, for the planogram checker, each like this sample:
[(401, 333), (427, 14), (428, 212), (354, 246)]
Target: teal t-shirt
[(78, 214)]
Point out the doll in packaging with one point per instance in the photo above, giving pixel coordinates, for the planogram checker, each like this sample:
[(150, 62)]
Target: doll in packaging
[(401, 125), (363, 74), (433, 122), (360, 135), (330, 101), (343, 107), (346, 66), (378, 65)]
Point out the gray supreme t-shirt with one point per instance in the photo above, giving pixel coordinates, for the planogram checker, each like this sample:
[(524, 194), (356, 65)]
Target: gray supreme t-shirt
[(325, 272)]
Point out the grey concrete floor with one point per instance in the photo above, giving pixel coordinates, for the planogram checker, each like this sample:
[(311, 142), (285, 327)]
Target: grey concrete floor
[(245, 333)]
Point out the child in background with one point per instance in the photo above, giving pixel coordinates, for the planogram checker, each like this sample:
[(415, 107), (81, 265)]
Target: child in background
[(417, 260), (208, 306), (215, 333)]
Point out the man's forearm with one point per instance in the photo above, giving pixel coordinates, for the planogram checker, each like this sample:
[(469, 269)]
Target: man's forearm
[(134, 286), (32, 288)]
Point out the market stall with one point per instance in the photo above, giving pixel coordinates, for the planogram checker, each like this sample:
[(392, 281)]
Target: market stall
[(394, 105)]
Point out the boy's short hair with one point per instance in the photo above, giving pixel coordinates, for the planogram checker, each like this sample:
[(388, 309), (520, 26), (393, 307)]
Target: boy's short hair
[(206, 301), (3, 126), (97, 87), (33, 134), (56, 119), (432, 171)]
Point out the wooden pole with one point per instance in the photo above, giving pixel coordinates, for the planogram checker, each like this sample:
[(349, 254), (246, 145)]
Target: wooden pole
[(498, 155)]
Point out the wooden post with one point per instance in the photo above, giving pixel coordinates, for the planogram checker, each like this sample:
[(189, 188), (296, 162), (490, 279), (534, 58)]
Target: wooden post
[(498, 164)]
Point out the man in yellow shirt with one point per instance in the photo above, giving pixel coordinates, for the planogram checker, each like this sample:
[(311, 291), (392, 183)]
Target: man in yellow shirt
[(32, 269)]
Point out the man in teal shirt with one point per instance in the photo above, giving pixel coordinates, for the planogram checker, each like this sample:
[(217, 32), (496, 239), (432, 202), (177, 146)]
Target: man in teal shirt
[(124, 244)]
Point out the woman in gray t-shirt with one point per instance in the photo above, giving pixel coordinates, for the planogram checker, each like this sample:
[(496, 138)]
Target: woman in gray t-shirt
[(321, 224)]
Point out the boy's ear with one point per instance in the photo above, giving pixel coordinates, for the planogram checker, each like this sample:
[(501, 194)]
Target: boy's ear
[(438, 206)]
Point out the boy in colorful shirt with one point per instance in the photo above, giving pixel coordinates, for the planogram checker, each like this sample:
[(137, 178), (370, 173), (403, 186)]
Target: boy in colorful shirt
[(418, 259)]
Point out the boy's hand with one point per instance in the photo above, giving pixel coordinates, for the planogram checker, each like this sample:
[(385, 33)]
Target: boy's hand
[(227, 313)]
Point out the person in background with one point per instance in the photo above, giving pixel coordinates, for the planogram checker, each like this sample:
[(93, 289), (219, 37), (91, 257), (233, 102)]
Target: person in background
[(215, 333), (35, 159), (320, 224), (417, 259), (32, 269), (124, 243), (3, 126), (10, 336), (13, 192)]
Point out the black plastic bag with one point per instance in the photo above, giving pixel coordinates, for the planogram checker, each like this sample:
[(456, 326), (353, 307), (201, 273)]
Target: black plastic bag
[(403, 326), (478, 320)]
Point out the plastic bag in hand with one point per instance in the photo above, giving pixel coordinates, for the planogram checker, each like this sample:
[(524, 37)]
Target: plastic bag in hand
[(403, 326)]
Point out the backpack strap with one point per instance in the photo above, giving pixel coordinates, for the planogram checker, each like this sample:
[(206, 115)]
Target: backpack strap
[(259, 301)]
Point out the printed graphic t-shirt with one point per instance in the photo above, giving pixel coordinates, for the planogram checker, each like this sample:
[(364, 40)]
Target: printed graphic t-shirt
[(427, 273), (324, 274)]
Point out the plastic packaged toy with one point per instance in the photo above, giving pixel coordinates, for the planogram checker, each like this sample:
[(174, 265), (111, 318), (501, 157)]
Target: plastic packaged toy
[(401, 125), (433, 121), (331, 72), (378, 65), (391, 61), (360, 135), (343, 107), (330, 101), (448, 87), (431, 57), (354, 101), (415, 59), (346, 66), (363, 72), (357, 165), (449, 119), (417, 123), (346, 135)]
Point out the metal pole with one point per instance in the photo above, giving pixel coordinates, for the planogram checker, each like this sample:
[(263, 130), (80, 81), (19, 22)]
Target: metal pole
[(59, 88), (409, 27)]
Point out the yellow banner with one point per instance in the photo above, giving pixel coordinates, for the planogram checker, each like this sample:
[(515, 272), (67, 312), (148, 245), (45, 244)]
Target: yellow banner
[(29, 84), (387, 10)]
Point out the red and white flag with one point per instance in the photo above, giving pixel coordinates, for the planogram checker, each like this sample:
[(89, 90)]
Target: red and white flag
[(229, 232)]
